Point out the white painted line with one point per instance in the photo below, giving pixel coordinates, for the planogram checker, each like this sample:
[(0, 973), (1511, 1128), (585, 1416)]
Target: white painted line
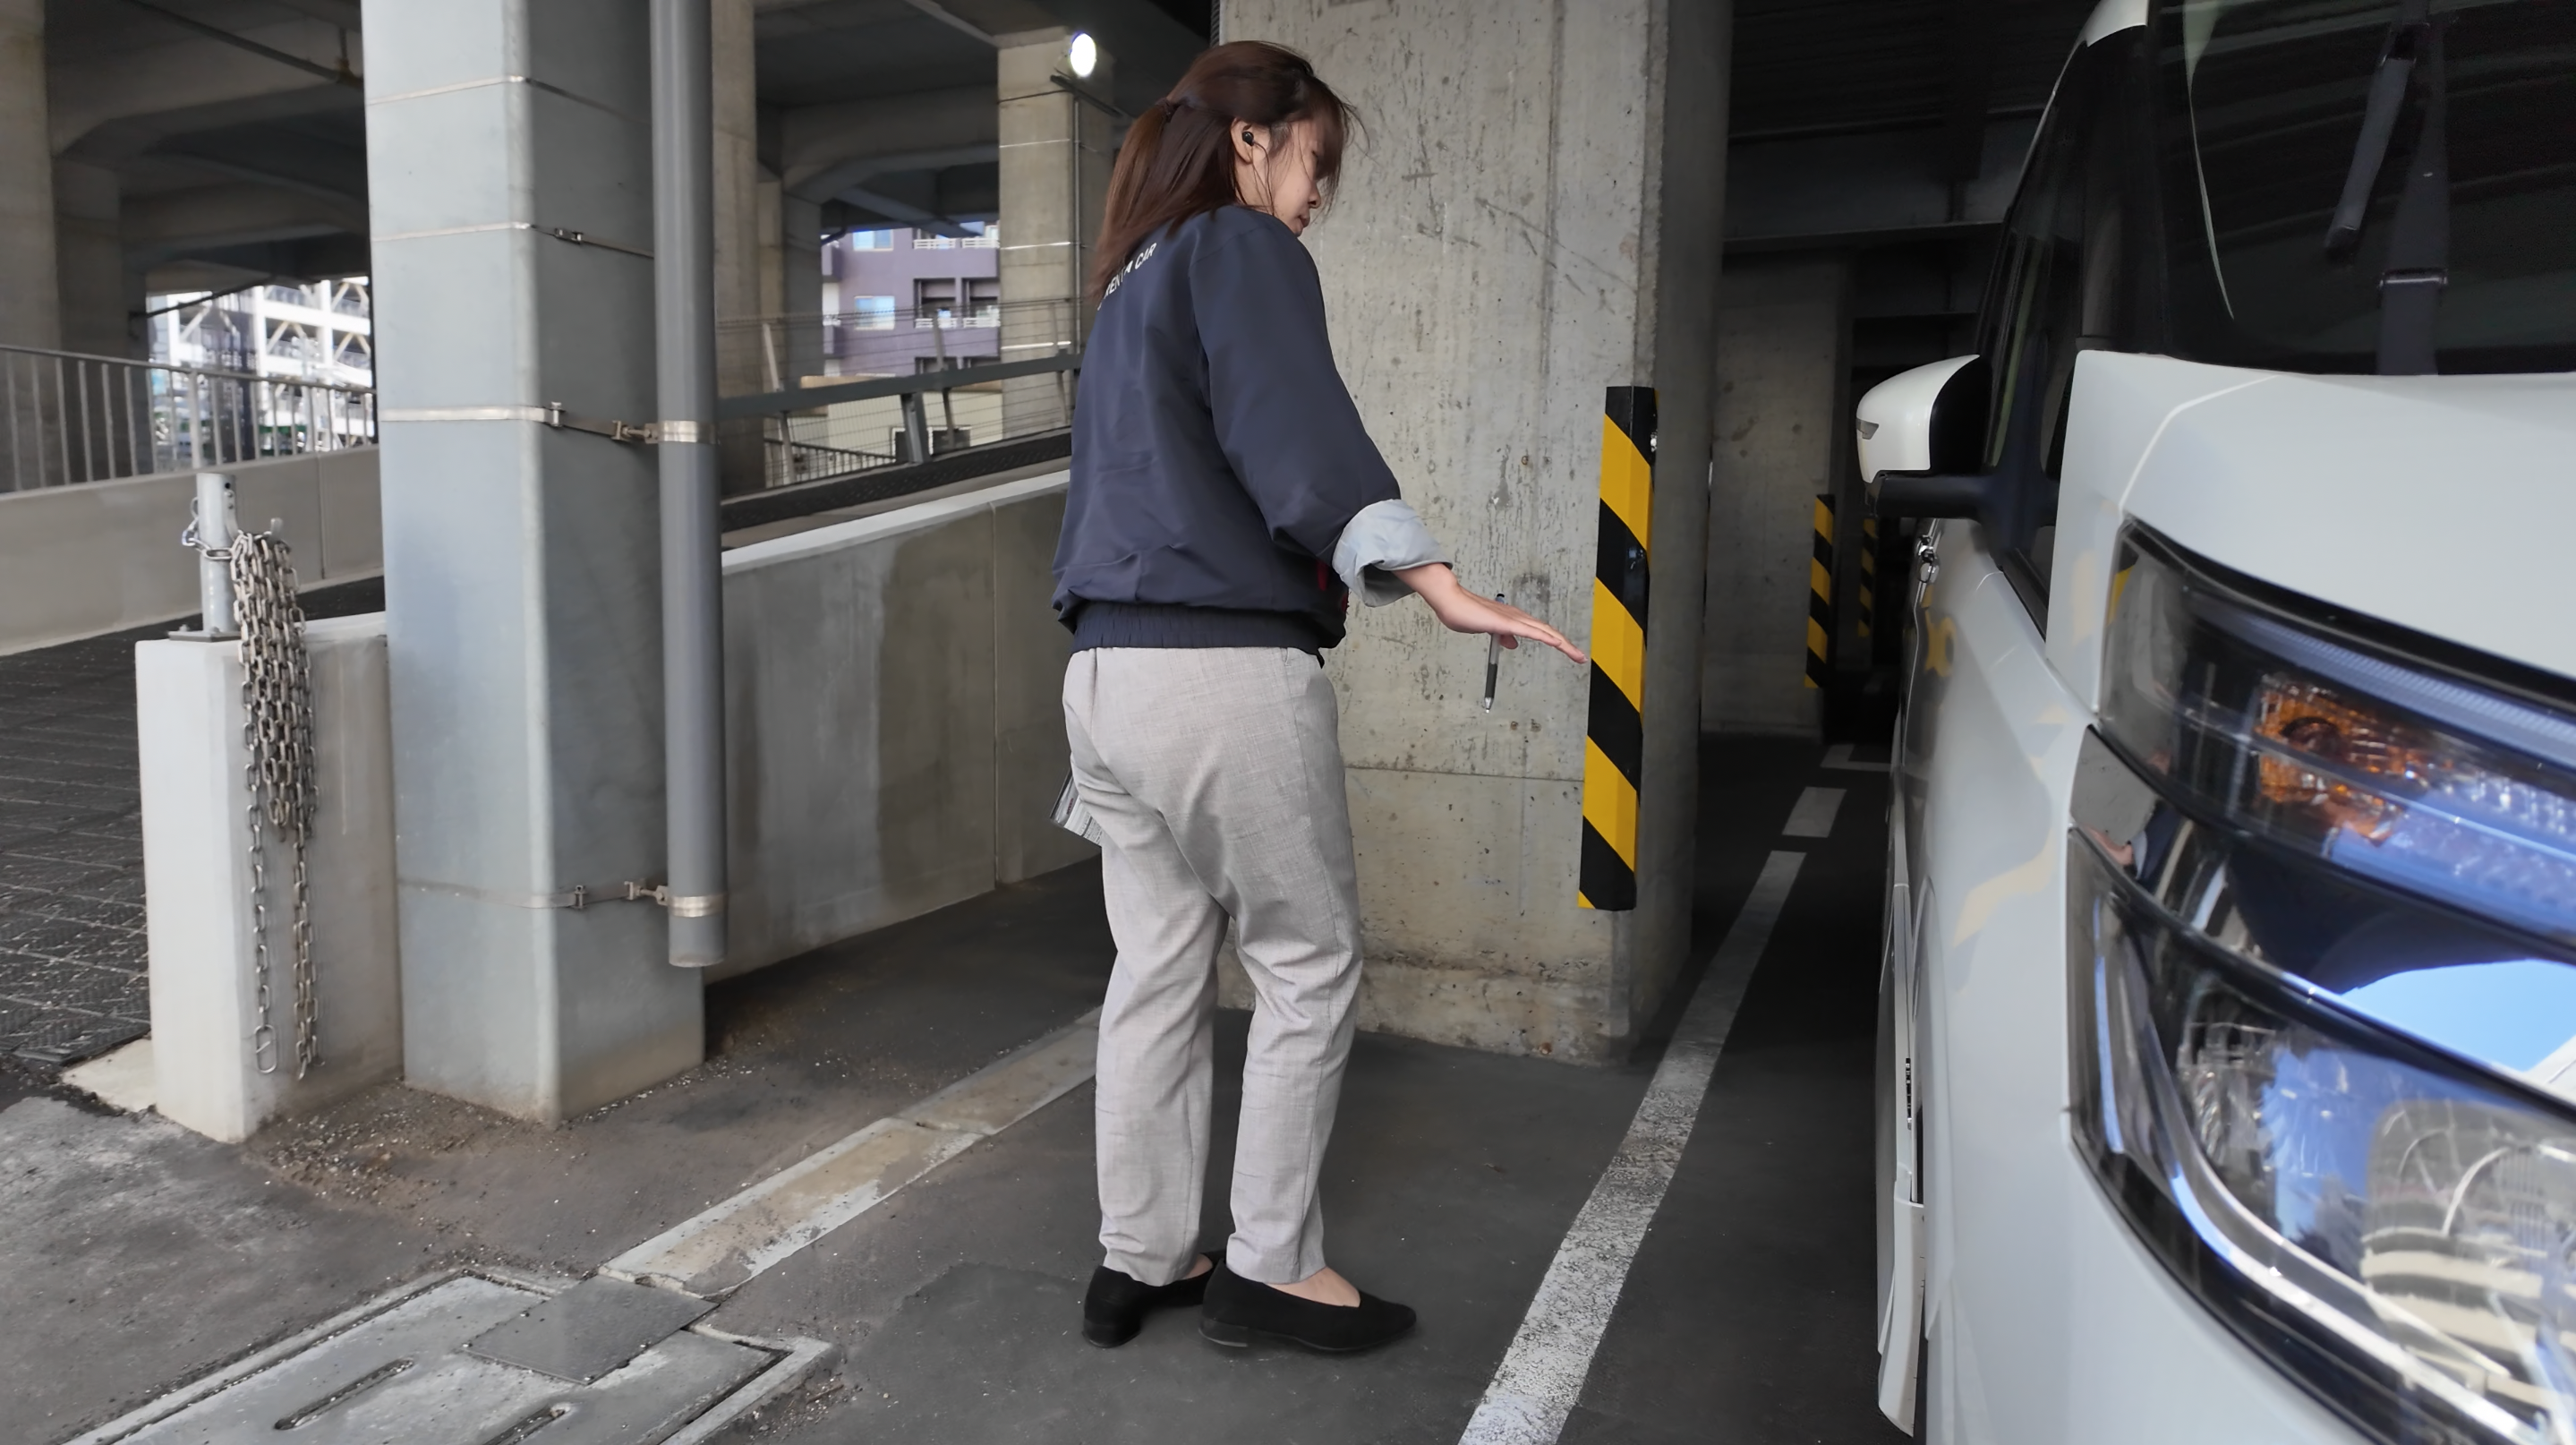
[(1839, 757), (1813, 817), (1542, 1374), (734, 1240)]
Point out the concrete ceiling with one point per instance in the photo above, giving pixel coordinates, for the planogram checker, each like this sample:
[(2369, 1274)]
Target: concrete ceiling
[(883, 110), (1888, 134), (238, 153), (232, 133), (237, 144), (1856, 119)]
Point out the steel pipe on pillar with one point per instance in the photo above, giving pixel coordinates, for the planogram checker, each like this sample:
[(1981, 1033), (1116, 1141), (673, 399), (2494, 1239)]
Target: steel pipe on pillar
[(692, 570)]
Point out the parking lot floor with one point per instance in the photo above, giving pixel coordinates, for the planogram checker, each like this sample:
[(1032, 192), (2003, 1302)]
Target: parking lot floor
[(137, 1255)]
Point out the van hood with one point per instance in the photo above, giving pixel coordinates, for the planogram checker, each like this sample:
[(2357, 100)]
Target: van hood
[(2445, 504)]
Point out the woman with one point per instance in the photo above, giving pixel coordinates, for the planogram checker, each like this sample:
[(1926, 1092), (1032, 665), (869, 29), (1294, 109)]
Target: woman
[(1225, 503)]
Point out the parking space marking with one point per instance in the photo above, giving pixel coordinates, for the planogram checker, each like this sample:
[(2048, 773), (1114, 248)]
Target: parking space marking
[(726, 1245), (1535, 1388), (1813, 817)]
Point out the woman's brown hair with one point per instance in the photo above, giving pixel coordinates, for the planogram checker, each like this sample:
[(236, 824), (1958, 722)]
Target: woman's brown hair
[(1178, 161)]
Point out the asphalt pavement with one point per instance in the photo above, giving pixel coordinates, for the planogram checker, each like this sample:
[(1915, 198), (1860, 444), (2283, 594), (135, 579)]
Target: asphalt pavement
[(138, 1255)]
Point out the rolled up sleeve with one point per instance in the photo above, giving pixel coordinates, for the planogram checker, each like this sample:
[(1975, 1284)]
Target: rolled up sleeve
[(1383, 539)]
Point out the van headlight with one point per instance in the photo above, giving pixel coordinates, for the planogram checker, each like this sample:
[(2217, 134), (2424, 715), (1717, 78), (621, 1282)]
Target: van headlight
[(2323, 1024)]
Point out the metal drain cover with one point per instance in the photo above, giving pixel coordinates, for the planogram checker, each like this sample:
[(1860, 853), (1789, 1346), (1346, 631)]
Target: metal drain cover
[(589, 1329), (396, 1371)]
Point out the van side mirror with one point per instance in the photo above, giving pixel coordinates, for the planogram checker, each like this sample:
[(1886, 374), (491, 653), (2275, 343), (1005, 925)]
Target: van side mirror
[(1921, 435)]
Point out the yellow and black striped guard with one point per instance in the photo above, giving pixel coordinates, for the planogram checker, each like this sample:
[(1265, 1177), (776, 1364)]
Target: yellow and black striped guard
[(1820, 595), (1614, 744)]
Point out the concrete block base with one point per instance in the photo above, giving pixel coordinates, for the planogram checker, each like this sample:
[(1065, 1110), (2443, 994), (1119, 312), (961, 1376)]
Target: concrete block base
[(124, 1079), (197, 878)]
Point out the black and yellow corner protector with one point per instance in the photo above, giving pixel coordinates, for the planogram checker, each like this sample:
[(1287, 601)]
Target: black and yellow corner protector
[(1614, 743), (1820, 595), (1868, 575)]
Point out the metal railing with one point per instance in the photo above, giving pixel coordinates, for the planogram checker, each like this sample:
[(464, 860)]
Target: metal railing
[(841, 428), (819, 396), (67, 418), (790, 461)]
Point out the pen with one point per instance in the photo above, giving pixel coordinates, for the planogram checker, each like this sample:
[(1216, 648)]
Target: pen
[(1493, 660)]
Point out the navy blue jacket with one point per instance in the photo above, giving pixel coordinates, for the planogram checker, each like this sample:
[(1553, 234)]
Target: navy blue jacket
[(1216, 453)]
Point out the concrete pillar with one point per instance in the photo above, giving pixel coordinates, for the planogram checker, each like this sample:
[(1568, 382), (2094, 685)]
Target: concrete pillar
[(741, 359), (791, 284), (1547, 227), (1055, 158), (29, 314), (521, 561), (100, 295), (29, 311), (1783, 424), (800, 294)]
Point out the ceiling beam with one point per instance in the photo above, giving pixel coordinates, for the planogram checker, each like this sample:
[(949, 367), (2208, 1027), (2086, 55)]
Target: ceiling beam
[(341, 75), (860, 209), (1783, 194), (182, 84), (260, 175), (954, 21), (818, 144), (839, 181), (342, 13)]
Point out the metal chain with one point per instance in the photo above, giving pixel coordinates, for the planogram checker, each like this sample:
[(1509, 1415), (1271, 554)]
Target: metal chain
[(277, 740)]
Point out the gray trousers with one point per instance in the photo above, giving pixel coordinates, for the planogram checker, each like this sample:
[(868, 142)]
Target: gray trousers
[(1214, 776)]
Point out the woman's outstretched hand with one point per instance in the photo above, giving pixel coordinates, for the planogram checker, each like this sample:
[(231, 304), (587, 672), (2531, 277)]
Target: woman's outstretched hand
[(1460, 610)]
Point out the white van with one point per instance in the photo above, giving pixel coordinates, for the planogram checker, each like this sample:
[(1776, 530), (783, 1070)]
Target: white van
[(2229, 1009)]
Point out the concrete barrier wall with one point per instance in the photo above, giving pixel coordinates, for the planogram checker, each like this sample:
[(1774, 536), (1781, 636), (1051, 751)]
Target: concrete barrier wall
[(893, 717), (896, 745), (101, 556)]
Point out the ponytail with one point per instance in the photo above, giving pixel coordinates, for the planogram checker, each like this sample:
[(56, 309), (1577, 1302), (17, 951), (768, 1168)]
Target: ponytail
[(1178, 162)]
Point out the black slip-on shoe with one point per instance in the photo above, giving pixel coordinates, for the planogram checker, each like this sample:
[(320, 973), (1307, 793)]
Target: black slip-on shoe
[(1113, 1309), (1239, 1311)]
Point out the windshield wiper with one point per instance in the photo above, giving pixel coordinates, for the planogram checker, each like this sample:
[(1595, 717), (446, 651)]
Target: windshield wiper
[(2419, 242)]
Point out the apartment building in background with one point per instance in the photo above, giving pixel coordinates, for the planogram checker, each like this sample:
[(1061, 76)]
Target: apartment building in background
[(908, 301), (310, 331), (902, 302)]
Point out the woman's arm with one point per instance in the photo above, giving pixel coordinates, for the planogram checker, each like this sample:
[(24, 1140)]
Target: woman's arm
[(1460, 610), (1283, 419)]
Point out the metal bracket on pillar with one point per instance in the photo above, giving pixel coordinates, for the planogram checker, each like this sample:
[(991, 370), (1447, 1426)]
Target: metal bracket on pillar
[(555, 414), (651, 433), (581, 897), (584, 238), (616, 431)]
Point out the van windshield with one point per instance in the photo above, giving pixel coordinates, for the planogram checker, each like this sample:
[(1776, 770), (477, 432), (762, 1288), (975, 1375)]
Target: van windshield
[(2263, 109)]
